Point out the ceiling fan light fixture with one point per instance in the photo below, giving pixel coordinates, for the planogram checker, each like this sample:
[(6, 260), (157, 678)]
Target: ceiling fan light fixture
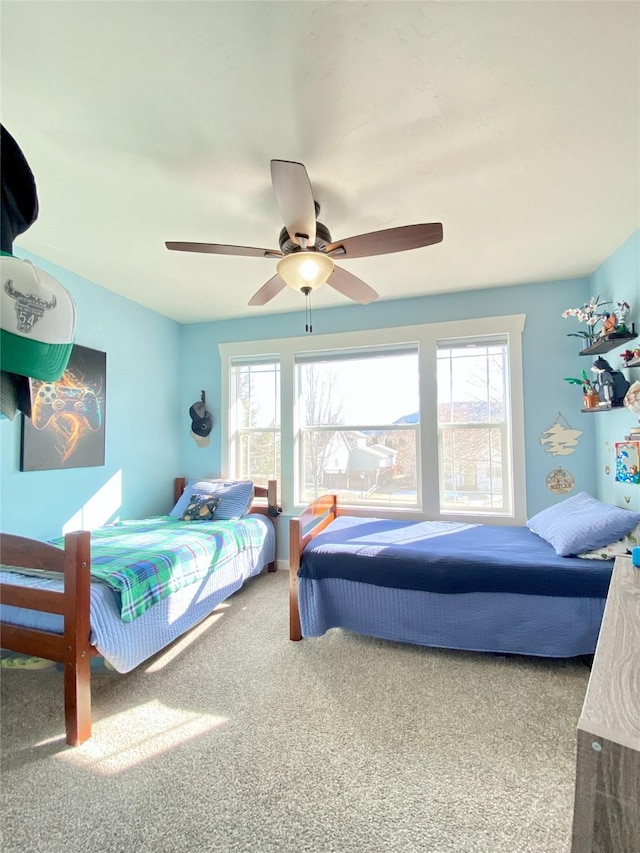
[(305, 270), (306, 248)]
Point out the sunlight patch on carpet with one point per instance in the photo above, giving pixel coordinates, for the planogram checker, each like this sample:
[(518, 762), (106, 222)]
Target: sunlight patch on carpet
[(165, 657), (125, 740)]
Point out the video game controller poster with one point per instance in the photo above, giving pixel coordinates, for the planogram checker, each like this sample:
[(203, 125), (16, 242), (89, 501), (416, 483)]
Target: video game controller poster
[(67, 424)]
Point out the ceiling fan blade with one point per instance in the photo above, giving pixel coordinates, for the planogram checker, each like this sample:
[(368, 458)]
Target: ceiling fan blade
[(268, 291), (294, 195), (351, 286), (220, 249), (388, 241)]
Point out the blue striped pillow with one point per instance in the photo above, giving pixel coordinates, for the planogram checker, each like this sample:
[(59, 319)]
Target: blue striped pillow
[(236, 497)]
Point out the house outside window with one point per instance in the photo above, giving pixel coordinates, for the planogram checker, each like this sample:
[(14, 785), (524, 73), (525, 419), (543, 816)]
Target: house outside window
[(359, 426), (417, 421)]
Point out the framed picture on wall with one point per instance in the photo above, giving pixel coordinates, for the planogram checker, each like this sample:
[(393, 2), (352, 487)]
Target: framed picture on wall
[(67, 424), (628, 461)]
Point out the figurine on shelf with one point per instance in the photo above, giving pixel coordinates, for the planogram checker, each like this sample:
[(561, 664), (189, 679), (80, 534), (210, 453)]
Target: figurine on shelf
[(609, 324), (622, 312), (610, 383), (629, 355), (614, 321)]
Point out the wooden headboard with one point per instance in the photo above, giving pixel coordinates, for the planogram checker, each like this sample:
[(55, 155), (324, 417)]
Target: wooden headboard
[(265, 502)]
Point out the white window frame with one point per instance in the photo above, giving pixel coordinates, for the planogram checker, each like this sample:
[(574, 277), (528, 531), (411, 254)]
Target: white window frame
[(235, 442), (426, 336), (503, 427), (363, 352)]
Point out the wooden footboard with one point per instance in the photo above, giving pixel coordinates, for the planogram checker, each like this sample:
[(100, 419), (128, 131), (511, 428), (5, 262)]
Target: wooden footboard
[(318, 515), (72, 649)]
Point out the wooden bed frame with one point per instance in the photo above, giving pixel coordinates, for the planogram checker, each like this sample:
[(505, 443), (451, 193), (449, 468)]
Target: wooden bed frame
[(313, 520), (72, 648)]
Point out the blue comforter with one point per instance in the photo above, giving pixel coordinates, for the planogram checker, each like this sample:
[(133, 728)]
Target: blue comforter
[(451, 558)]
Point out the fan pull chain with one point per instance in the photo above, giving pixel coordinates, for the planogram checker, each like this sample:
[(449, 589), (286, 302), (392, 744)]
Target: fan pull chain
[(307, 312)]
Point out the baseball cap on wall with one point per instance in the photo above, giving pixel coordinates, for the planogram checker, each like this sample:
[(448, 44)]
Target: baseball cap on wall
[(201, 423), (37, 320)]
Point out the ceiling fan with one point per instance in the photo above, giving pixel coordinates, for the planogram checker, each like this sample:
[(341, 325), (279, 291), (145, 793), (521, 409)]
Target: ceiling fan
[(307, 251)]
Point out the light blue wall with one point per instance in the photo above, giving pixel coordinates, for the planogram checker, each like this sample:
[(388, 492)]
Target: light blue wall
[(143, 423), (548, 356), (157, 368), (618, 280)]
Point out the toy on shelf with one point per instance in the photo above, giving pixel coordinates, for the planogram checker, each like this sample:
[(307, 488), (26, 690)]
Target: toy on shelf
[(621, 313), (614, 323), (631, 357), (604, 330), (611, 384)]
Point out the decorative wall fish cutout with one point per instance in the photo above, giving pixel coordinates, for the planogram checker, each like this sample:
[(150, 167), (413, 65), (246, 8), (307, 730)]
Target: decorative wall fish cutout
[(560, 439)]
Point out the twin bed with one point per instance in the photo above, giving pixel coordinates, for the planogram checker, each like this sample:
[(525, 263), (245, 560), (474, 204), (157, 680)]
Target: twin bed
[(126, 591), (457, 586), (451, 585)]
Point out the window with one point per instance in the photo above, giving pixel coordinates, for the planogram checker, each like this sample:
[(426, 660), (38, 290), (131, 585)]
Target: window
[(254, 405), (358, 426), (473, 426), (421, 419)]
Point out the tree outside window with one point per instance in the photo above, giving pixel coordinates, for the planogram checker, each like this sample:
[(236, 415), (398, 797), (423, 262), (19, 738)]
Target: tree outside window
[(473, 425), (256, 405)]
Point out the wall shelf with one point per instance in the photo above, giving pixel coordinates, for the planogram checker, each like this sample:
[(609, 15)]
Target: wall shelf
[(603, 408), (609, 342), (605, 344)]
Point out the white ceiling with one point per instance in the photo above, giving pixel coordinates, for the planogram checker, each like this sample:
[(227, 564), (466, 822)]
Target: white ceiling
[(515, 124)]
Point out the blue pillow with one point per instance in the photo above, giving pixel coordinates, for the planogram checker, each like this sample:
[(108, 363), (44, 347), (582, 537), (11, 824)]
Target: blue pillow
[(582, 523), (236, 497)]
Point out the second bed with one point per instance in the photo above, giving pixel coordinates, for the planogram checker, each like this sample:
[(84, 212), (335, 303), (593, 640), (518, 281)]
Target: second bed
[(458, 586)]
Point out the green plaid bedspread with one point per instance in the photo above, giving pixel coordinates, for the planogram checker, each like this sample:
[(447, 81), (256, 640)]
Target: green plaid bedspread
[(144, 561)]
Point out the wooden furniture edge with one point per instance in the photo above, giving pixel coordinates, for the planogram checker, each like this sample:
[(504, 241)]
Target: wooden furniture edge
[(302, 529), (606, 814), (266, 503), (178, 488), (72, 648)]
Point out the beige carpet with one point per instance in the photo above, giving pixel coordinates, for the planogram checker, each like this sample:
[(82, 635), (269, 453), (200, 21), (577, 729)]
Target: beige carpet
[(239, 740)]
